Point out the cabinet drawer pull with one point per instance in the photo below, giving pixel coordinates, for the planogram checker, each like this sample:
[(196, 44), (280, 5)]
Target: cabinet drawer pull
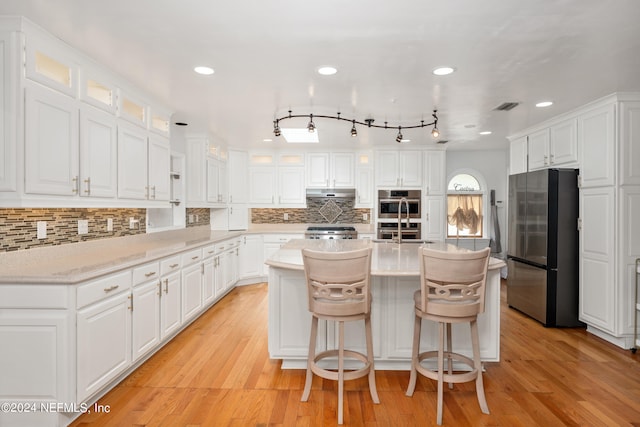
[(166, 286), (111, 288), (76, 185), (210, 252), (195, 257), (88, 182), (173, 265), (149, 274)]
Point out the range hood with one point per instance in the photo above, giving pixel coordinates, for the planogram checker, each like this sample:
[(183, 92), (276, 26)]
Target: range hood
[(331, 193)]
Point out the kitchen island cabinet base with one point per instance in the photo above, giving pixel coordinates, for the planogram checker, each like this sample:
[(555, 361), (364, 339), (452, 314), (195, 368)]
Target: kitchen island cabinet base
[(392, 319)]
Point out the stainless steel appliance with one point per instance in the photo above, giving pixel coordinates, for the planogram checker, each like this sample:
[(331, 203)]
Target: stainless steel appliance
[(389, 206), (542, 252), (389, 230), (331, 232), (331, 193)]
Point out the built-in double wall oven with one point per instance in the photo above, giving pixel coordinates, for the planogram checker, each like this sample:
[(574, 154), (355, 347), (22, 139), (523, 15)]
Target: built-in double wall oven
[(389, 203), (399, 205)]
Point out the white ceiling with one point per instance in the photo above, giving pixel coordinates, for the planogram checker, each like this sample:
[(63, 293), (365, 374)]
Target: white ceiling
[(265, 54)]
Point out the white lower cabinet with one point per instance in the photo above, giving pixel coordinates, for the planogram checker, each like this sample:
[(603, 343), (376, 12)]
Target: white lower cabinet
[(251, 248), (103, 343), (191, 288), (146, 318), (170, 305), (208, 275)]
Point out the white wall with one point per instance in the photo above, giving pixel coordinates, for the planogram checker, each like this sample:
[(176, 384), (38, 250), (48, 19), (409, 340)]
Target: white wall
[(492, 168)]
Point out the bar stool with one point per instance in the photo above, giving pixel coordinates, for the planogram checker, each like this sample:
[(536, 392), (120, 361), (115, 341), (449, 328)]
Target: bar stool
[(452, 290), (338, 286)]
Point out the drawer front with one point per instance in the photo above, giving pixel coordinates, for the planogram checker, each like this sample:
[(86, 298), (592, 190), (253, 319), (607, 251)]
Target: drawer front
[(103, 288), (146, 272), (209, 251), (169, 265), (191, 257)]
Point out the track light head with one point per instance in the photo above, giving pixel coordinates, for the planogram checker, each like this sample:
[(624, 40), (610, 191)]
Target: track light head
[(435, 132), (399, 137), (354, 132), (276, 128), (311, 127)]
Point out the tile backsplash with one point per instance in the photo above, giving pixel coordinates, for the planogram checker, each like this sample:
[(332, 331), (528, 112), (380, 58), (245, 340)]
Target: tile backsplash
[(18, 227), (318, 211)]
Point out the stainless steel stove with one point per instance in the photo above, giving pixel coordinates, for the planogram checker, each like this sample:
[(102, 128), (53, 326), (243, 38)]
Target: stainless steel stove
[(331, 232)]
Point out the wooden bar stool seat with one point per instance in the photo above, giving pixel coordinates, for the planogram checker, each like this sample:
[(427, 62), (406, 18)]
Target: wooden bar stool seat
[(452, 290), (338, 287)]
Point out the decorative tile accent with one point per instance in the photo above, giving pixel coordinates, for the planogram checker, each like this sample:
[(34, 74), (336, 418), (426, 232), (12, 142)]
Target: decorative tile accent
[(330, 211), (311, 215)]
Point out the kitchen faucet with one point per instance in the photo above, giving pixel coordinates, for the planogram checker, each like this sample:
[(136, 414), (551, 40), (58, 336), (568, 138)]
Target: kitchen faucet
[(406, 202)]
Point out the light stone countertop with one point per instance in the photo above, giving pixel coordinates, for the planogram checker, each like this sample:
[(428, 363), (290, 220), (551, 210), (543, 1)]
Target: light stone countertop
[(77, 262), (387, 259)]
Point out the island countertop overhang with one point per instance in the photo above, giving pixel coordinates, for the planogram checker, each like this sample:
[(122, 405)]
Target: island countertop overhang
[(387, 259)]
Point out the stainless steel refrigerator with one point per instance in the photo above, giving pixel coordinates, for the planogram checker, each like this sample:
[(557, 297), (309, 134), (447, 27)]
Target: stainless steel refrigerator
[(542, 250)]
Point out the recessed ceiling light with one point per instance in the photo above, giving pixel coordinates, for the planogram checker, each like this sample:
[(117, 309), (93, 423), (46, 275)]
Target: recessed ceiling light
[(443, 71), (327, 70), (486, 132), (544, 104), (267, 140), (206, 71)]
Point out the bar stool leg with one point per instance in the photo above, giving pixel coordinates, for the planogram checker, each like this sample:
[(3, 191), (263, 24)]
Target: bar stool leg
[(440, 370), (311, 357), (372, 373), (340, 371), (475, 341), (417, 325), (449, 350)]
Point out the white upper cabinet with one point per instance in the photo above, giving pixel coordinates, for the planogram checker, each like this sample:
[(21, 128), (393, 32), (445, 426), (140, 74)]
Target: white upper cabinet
[(51, 143), (518, 155), (8, 85), (79, 147), (330, 170), (277, 180), (398, 169), (538, 149), (159, 165), (206, 176), (596, 136), (238, 166), (554, 146), (51, 64), (98, 90), (630, 151), (435, 172), (98, 153), (132, 163)]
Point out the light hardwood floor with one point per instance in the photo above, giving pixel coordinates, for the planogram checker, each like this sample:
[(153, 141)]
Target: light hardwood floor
[(217, 373)]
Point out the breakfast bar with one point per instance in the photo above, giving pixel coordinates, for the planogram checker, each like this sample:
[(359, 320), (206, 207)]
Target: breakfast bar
[(395, 276)]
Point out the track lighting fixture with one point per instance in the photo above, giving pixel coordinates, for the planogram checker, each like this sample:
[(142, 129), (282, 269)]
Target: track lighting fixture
[(311, 127)]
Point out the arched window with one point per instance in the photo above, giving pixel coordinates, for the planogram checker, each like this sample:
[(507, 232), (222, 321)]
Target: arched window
[(464, 207)]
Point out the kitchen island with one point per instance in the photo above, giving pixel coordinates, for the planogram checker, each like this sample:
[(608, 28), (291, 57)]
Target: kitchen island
[(395, 276)]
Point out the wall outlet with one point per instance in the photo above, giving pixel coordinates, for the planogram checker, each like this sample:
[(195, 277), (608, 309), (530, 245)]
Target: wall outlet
[(365, 217), (190, 218), (197, 218), (41, 227), (134, 223), (109, 224), (83, 226), (286, 216)]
